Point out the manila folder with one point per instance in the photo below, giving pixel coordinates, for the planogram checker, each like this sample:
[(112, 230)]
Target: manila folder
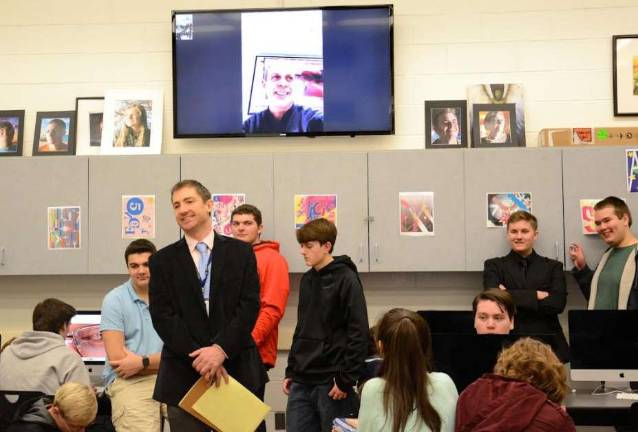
[(227, 408)]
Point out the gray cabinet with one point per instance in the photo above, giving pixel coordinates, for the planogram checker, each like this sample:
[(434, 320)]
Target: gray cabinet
[(592, 173), (343, 174), (391, 173), (30, 186), (251, 175), (110, 178), (537, 171)]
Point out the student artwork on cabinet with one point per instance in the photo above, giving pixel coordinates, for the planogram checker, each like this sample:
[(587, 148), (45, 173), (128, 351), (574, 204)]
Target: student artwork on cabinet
[(310, 207), (501, 205), (223, 206), (138, 216), (587, 215), (631, 162), (63, 227), (416, 214)]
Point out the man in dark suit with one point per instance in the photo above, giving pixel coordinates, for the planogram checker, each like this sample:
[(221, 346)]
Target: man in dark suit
[(536, 283), (204, 300)]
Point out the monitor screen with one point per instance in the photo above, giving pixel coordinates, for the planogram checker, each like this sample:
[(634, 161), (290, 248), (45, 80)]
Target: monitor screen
[(84, 337), (282, 72), (446, 321), (603, 345)]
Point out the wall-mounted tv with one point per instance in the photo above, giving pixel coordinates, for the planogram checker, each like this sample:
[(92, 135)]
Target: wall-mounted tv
[(283, 72)]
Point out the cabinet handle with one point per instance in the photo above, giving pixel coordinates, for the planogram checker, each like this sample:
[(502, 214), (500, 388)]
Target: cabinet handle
[(360, 253), (377, 258), (2, 257), (556, 250)]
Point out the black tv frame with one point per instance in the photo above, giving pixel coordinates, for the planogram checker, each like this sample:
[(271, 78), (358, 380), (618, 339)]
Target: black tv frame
[(352, 134)]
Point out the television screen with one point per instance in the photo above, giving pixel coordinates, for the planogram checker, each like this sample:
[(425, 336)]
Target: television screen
[(322, 71), (84, 337)]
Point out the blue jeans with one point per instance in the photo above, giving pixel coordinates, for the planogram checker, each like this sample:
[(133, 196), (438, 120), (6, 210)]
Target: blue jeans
[(310, 409)]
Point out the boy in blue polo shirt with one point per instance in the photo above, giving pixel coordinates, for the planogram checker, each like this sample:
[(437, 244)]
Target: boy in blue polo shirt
[(132, 346)]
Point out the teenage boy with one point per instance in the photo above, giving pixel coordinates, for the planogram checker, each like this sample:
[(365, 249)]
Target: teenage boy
[(329, 345), (494, 312), (132, 346), (614, 284)]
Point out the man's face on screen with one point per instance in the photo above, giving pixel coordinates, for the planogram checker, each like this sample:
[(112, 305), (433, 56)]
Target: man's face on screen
[(279, 86)]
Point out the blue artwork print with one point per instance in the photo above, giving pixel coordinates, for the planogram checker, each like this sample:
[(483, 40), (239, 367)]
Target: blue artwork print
[(631, 162)]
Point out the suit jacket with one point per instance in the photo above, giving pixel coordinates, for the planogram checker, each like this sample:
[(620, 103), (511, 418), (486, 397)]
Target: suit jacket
[(523, 277), (178, 311)]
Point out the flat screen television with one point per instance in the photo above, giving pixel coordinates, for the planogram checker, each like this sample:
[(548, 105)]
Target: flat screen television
[(603, 345), (283, 72)]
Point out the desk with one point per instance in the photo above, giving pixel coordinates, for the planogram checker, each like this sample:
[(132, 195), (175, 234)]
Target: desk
[(602, 410)]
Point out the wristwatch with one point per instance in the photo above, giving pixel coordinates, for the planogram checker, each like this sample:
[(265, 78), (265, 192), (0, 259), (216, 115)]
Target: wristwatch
[(145, 362)]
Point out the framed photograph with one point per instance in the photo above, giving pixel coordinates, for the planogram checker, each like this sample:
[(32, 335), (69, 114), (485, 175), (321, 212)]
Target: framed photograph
[(88, 126), (133, 122), (500, 93), (494, 125), (446, 124), (625, 64), (54, 133), (11, 132)]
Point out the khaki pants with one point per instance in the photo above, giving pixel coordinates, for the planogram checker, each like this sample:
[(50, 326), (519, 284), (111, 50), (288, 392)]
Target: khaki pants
[(132, 404)]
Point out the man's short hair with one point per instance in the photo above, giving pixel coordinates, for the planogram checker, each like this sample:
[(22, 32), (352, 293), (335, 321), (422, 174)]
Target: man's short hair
[(321, 230), (247, 209), (199, 188), (51, 315), (534, 362), (438, 112), (522, 215), (10, 131), (58, 123), (620, 207), (139, 246), (490, 116), (77, 403), (501, 297)]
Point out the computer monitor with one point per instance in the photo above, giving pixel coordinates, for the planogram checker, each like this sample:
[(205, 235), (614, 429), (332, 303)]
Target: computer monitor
[(603, 345), (447, 321), (84, 337)]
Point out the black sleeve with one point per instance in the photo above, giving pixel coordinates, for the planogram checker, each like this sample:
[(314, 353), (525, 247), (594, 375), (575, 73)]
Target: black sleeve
[(170, 327), (357, 334), (554, 303), (583, 279), (233, 335), (491, 274)]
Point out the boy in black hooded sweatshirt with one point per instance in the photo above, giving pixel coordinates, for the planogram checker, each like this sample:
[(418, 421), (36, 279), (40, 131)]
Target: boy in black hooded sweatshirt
[(329, 346)]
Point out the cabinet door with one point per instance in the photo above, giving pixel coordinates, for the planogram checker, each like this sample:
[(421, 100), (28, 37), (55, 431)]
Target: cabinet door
[(110, 178), (391, 173), (537, 171), (237, 174), (592, 173), (341, 174), (31, 185)]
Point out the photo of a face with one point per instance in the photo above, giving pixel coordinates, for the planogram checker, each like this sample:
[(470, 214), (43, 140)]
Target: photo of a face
[(446, 127), (495, 127), (9, 127), (132, 123), (54, 135)]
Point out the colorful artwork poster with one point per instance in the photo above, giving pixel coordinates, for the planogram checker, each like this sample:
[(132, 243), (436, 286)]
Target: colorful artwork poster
[(138, 216), (311, 207), (223, 206), (416, 210), (632, 169), (501, 205), (64, 227), (587, 215)]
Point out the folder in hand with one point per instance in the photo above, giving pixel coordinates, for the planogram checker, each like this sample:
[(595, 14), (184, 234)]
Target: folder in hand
[(228, 408)]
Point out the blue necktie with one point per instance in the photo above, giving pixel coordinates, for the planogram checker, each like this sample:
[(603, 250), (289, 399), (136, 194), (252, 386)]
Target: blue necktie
[(202, 248)]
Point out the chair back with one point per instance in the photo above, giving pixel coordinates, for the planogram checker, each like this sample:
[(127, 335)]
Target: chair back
[(11, 401)]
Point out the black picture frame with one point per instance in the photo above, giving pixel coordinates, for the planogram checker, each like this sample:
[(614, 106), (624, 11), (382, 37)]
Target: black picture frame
[(482, 142), (42, 120), (13, 117), (624, 49), (432, 109)]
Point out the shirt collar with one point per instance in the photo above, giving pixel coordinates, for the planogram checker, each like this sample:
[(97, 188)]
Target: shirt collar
[(131, 291), (528, 258), (209, 240)]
